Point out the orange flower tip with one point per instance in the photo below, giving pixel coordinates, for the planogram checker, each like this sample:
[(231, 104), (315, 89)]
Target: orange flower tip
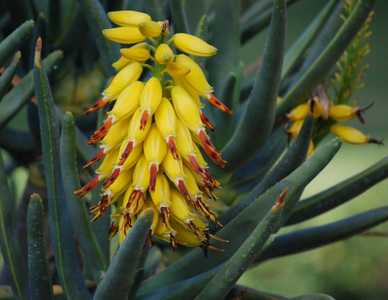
[(127, 151), (171, 143), (280, 200), (210, 149), (153, 175), (101, 132), (144, 119), (213, 100), (195, 165), (206, 121), (87, 187), (183, 189), (100, 155), (100, 103), (111, 179)]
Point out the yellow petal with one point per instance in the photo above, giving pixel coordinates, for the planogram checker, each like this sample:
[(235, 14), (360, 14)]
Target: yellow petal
[(164, 54), (120, 63), (349, 134), (155, 148), (128, 17), (128, 101), (342, 112), (139, 52), (124, 35), (299, 113), (165, 119), (122, 79), (295, 128), (151, 95), (151, 29), (193, 45), (161, 196)]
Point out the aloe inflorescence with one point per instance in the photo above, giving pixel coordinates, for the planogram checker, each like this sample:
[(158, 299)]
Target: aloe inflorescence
[(158, 162)]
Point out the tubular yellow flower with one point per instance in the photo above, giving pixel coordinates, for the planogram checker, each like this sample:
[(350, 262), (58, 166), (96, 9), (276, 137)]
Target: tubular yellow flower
[(150, 99), (126, 76), (151, 29), (120, 63), (176, 70), (193, 45), (128, 17), (294, 129), (350, 134), (139, 52), (344, 112), (155, 149), (299, 113), (164, 54), (124, 35)]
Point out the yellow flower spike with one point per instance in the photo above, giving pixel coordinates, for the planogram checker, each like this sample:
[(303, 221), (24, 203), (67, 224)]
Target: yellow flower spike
[(151, 29), (164, 54), (165, 120), (149, 100), (112, 140), (173, 168), (124, 107), (195, 81), (128, 17), (155, 149), (295, 128), (122, 79), (299, 113), (124, 35), (139, 52), (121, 63), (193, 45), (352, 135)]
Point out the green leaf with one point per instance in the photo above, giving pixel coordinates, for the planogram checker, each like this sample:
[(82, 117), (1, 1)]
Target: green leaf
[(179, 15), (257, 18), (97, 21), (292, 158), (318, 236), (15, 40), (195, 263), (121, 273), (10, 250), (225, 278), (6, 77), (295, 54), (340, 193), (13, 102), (90, 248), (156, 8), (39, 279), (61, 231), (258, 116), (321, 67), (246, 293), (186, 14), (313, 297)]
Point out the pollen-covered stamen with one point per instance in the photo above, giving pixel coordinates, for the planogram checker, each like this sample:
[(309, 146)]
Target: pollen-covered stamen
[(87, 187), (206, 121), (210, 149), (136, 201), (213, 100), (200, 205), (99, 155), (171, 143), (113, 229), (127, 151), (101, 132), (111, 179), (144, 119), (200, 235), (100, 103), (101, 207), (154, 169)]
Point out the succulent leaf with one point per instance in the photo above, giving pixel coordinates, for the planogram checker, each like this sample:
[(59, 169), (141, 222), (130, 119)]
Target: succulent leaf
[(6, 77)]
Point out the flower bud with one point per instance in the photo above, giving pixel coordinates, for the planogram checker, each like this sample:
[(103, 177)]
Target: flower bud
[(193, 45), (151, 29), (120, 63), (150, 99), (349, 134), (343, 112), (128, 17), (128, 101), (122, 79), (164, 54), (139, 52), (299, 113), (124, 35)]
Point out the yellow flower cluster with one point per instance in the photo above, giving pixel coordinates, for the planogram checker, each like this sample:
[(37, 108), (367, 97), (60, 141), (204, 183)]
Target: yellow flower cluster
[(149, 142), (331, 116)]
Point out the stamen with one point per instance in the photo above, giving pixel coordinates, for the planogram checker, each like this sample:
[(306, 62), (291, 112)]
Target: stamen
[(101, 132), (111, 179), (99, 155), (100, 103), (206, 121), (128, 149), (210, 149), (218, 104), (87, 187)]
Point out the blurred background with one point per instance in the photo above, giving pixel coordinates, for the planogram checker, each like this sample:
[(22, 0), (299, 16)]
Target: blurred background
[(358, 267)]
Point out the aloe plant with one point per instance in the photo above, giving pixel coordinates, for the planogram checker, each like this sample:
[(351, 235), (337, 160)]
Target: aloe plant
[(179, 86)]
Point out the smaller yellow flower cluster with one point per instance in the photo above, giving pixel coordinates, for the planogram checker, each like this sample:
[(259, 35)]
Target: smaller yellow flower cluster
[(149, 140), (330, 117)]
